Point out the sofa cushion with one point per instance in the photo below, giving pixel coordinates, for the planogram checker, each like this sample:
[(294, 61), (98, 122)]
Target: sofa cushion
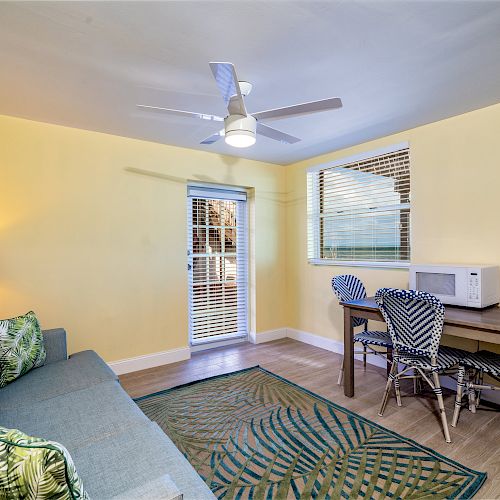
[(21, 347), (161, 488), (54, 341), (34, 467), (80, 371), (80, 417), (138, 455)]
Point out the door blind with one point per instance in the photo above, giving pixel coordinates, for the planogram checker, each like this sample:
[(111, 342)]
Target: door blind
[(359, 211), (217, 255)]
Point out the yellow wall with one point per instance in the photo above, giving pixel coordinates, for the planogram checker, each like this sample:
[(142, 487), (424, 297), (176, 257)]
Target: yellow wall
[(101, 251), (455, 175)]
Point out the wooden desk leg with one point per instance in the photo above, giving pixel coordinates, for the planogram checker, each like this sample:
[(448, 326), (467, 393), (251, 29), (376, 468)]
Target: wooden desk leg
[(348, 354)]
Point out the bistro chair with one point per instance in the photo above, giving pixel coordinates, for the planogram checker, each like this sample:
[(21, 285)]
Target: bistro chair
[(471, 370), (415, 320), (347, 287)]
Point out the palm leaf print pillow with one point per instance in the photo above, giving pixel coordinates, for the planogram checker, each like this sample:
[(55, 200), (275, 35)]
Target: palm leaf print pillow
[(33, 468), (21, 347)]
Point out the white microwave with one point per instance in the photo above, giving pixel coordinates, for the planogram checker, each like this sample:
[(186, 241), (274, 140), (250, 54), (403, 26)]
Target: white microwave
[(468, 286)]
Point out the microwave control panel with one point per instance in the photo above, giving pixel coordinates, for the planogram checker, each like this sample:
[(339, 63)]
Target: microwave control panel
[(474, 287)]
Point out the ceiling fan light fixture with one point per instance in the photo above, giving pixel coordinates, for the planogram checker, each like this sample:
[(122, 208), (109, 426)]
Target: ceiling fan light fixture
[(240, 139), (240, 130)]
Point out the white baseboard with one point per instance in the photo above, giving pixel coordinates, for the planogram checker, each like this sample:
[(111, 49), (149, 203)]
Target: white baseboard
[(267, 336), (150, 360), (129, 365), (330, 345), (215, 345), (316, 340)]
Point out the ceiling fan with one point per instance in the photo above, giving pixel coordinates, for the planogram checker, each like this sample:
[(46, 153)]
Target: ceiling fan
[(240, 127)]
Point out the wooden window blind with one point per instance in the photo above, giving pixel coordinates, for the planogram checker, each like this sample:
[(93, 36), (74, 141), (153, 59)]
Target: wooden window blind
[(217, 263), (359, 210)]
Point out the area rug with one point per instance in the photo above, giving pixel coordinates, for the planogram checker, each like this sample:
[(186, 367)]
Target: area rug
[(252, 434)]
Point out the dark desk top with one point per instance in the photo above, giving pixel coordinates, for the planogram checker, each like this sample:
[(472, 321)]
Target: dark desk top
[(478, 319)]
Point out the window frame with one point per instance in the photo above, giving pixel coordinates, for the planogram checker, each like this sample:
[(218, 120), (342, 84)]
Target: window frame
[(314, 233)]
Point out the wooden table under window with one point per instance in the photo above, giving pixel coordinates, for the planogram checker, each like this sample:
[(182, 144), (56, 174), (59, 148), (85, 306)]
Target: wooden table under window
[(482, 325)]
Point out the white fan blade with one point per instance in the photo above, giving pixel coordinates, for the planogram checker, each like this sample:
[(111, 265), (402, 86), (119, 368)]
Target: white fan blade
[(214, 137), (178, 112), (226, 79), (299, 109), (277, 135)]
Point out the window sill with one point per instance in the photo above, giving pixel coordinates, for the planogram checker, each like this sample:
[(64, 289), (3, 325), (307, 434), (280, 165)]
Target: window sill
[(342, 263)]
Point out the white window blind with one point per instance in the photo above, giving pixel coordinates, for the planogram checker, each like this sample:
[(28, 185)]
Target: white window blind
[(359, 210), (217, 263)]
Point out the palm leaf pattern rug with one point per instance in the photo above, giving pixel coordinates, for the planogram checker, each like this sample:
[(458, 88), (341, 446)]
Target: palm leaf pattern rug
[(252, 434)]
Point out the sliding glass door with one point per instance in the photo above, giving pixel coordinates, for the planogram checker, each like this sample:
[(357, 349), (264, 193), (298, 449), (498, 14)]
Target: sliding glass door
[(217, 264)]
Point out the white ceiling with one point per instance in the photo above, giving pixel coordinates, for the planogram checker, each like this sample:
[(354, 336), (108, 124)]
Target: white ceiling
[(395, 65)]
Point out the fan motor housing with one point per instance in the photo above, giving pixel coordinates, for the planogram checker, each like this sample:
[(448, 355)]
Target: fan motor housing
[(237, 126), (237, 123)]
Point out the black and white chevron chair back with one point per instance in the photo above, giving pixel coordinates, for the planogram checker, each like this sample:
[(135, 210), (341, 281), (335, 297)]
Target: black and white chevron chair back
[(348, 287), (415, 319)]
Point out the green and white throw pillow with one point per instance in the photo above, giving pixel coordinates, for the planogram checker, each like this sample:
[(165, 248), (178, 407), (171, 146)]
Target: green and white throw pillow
[(21, 347), (35, 469)]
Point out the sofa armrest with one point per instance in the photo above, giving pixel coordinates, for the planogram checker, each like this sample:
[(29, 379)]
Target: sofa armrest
[(55, 345)]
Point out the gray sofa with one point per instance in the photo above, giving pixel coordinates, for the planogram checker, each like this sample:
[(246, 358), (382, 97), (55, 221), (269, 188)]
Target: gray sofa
[(118, 452)]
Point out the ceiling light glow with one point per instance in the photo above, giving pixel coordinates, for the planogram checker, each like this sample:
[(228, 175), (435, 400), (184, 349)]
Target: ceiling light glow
[(240, 139)]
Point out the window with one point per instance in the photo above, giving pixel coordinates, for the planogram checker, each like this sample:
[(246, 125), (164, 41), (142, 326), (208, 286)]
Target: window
[(359, 210), (217, 264)]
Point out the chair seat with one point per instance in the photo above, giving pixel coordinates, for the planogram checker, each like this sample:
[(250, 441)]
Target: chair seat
[(447, 357), (486, 361), (373, 338)]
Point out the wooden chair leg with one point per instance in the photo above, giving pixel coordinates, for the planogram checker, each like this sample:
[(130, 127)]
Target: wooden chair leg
[(472, 398), (341, 374), (481, 382), (364, 357), (389, 360), (471, 389), (458, 399), (397, 390), (385, 398), (439, 395)]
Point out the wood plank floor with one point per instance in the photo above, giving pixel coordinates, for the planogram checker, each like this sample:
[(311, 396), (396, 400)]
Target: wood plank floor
[(476, 440)]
